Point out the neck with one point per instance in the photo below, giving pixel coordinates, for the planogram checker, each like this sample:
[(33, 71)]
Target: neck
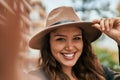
[(68, 71)]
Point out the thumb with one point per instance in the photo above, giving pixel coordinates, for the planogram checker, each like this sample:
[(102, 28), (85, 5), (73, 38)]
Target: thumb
[(97, 26)]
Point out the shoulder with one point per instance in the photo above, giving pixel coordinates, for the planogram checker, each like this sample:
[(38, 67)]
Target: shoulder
[(110, 74)]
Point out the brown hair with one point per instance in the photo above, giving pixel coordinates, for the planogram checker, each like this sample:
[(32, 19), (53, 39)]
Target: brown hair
[(87, 67)]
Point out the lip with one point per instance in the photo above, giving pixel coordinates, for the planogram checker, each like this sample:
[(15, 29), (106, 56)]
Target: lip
[(68, 56)]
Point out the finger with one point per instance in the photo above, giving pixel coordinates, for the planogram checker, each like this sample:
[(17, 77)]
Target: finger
[(97, 26), (102, 24), (111, 23), (116, 22), (96, 21), (106, 24)]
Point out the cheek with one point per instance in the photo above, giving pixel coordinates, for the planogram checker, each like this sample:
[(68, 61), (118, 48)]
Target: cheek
[(56, 47), (80, 46), (56, 50)]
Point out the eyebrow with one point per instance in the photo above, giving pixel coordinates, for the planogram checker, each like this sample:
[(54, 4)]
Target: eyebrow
[(59, 35), (78, 34)]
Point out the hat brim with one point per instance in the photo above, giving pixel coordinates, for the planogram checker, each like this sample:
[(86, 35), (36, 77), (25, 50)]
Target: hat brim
[(90, 32)]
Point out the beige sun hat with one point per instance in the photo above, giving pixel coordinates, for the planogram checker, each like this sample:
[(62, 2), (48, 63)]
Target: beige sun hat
[(64, 16)]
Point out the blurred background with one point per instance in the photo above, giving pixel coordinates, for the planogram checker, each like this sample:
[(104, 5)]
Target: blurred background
[(21, 19)]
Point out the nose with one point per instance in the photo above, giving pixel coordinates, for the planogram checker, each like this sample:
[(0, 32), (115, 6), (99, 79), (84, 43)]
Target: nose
[(69, 45)]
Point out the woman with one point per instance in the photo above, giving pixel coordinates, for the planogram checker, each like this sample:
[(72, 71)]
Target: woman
[(65, 45)]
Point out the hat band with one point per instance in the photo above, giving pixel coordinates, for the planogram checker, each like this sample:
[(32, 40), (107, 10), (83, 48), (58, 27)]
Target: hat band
[(62, 22)]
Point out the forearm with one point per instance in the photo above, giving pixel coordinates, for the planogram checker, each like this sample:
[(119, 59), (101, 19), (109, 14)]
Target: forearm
[(119, 53), (117, 39)]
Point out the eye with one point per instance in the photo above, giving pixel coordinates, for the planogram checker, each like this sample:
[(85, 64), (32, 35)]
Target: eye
[(77, 38), (60, 39)]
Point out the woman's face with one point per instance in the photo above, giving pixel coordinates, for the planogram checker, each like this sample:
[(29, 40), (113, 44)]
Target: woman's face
[(66, 45)]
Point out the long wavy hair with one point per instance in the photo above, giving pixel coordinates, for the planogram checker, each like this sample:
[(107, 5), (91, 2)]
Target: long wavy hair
[(87, 67)]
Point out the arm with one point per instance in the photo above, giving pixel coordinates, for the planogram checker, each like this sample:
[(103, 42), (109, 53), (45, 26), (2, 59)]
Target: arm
[(111, 27), (119, 53)]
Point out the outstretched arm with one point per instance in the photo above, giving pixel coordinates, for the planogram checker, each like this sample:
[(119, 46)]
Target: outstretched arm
[(111, 27)]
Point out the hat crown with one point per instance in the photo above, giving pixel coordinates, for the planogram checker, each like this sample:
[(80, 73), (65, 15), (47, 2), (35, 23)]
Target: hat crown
[(61, 14)]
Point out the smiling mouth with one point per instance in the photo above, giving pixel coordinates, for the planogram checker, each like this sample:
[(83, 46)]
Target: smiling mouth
[(68, 56)]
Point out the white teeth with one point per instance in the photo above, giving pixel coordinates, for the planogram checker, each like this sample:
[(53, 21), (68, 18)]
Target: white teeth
[(69, 55)]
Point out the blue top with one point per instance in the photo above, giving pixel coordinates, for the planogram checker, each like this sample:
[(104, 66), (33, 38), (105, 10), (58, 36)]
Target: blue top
[(110, 74)]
